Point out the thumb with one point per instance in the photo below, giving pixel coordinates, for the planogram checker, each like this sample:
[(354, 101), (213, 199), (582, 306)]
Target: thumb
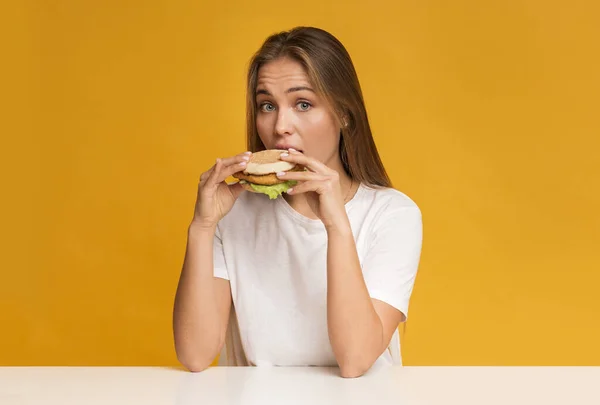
[(236, 189)]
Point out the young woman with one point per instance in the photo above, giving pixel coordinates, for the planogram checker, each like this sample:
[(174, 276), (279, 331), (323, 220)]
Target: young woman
[(323, 275)]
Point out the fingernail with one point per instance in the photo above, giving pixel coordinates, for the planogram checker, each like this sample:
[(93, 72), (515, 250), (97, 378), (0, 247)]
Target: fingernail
[(285, 154), (280, 174), (242, 164), (247, 157), (290, 190), (292, 150), (247, 153)]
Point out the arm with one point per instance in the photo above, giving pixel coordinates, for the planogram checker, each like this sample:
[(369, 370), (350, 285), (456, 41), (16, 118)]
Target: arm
[(202, 304), (360, 328)]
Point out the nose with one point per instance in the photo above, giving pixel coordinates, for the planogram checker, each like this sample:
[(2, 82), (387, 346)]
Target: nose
[(283, 126)]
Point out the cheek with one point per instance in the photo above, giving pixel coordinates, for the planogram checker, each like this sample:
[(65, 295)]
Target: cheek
[(319, 121), (319, 127), (320, 137), (264, 126)]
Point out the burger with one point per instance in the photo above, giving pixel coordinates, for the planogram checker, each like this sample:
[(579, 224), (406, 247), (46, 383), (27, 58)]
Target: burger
[(259, 176)]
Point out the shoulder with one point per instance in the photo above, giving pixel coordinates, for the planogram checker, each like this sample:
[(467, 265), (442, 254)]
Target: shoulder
[(387, 202), (393, 219)]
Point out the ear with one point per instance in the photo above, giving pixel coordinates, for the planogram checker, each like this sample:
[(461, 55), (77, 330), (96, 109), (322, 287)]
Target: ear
[(345, 121)]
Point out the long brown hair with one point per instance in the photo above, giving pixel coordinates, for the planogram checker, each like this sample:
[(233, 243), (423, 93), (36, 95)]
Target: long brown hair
[(332, 72)]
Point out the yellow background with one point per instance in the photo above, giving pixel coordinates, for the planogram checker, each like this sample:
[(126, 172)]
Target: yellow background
[(485, 113)]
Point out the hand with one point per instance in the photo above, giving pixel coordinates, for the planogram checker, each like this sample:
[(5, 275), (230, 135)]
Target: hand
[(215, 197), (321, 185)]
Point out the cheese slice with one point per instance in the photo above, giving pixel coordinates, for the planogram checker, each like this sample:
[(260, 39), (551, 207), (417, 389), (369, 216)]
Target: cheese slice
[(267, 168)]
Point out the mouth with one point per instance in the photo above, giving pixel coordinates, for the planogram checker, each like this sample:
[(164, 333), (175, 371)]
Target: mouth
[(286, 147)]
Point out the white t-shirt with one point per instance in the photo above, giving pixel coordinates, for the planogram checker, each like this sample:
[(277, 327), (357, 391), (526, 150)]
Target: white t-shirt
[(276, 262)]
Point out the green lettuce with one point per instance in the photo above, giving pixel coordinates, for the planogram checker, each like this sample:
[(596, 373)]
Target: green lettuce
[(273, 191)]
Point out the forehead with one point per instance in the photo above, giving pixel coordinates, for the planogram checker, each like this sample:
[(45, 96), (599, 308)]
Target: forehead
[(282, 71)]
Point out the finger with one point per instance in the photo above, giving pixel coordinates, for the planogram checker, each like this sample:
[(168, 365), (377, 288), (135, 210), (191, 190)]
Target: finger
[(294, 156), (211, 180), (316, 186), (204, 176), (229, 170), (240, 159), (232, 165), (228, 161), (301, 176)]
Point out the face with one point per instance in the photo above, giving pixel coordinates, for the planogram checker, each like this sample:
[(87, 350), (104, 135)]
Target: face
[(291, 115)]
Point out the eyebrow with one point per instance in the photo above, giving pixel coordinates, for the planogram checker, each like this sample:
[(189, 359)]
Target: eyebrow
[(290, 90)]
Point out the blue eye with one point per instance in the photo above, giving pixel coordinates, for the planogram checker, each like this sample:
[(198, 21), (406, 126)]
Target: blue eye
[(267, 107), (304, 106)]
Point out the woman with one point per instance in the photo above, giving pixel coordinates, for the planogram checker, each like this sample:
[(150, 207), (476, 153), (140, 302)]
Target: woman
[(322, 276)]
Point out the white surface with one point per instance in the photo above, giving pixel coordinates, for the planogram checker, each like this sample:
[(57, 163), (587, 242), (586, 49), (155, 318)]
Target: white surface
[(306, 386)]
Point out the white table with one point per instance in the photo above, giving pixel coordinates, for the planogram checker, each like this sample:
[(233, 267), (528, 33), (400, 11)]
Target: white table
[(306, 386)]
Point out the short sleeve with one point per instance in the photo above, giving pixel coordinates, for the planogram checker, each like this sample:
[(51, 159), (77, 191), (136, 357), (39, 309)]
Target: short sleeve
[(220, 267), (390, 264)]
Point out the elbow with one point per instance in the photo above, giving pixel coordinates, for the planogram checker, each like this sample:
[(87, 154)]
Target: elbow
[(196, 355), (196, 360), (354, 367), (195, 365), (352, 371)]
